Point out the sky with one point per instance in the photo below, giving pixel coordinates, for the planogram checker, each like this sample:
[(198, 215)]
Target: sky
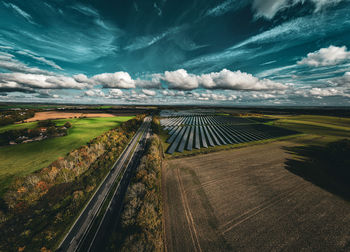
[(219, 52)]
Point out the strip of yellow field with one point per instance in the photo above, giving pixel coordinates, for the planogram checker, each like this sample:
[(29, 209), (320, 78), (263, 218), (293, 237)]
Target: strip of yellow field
[(320, 124)]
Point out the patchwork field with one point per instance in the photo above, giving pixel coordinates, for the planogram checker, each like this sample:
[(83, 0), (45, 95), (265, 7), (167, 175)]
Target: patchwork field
[(22, 159), (60, 115), (245, 200)]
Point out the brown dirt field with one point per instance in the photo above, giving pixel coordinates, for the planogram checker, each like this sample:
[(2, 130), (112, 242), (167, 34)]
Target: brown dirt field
[(62, 115), (245, 200)]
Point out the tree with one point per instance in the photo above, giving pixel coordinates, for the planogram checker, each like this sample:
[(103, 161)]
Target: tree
[(46, 123), (67, 125), (51, 130), (34, 132)]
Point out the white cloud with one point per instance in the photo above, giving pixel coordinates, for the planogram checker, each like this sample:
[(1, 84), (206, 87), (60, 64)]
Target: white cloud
[(269, 8), (94, 93), (20, 12), (180, 79), (326, 56), (320, 93), (114, 80), (320, 4), (115, 92), (342, 81), (40, 59), (27, 81), (8, 62), (149, 92), (151, 81), (325, 92), (226, 79), (228, 5), (81, 78)]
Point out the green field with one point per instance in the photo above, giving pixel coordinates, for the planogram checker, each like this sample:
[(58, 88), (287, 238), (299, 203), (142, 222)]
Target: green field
[(19, 126), (22, 159), (323, 129)]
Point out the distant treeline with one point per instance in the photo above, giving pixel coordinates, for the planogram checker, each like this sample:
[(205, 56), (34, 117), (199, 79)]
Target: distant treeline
[(9, 117), (37, 209)]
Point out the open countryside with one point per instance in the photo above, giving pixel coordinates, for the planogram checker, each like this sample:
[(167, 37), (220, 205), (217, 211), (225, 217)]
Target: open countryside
[(175, 126), (20, 160)]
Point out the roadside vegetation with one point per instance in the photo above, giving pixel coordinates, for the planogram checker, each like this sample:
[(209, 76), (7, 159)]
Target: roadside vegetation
[(22, 159), (140, 227), (39, 208)]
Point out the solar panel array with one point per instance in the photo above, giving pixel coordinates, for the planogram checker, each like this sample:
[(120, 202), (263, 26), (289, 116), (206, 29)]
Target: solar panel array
[(203, 131)]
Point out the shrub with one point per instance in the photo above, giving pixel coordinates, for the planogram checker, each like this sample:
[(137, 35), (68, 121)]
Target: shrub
[(67, 125)]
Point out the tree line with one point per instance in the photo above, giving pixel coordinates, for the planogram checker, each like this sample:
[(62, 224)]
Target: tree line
[(38, 208), (140, 227), (12, 116)]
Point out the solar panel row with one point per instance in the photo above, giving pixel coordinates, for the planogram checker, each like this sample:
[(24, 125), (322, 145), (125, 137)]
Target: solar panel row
[(208, 131)]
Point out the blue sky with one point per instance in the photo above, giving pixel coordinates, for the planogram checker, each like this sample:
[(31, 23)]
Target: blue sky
[(230, 52)]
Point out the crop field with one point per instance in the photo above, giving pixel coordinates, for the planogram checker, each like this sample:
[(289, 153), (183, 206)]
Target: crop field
[(245, 200), (50, 115), (22, 159), (196, 131)]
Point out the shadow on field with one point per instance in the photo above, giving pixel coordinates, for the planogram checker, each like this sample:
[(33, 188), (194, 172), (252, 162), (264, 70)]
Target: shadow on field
[(325, 166)]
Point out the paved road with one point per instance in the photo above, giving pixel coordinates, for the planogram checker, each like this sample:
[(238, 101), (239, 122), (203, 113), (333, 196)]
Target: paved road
[(72, 241)]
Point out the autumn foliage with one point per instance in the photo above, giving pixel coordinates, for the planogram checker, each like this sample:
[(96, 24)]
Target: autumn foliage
[(141, 220), (39, 207)]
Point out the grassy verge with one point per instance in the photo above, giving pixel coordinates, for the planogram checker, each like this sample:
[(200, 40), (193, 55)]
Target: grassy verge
[(23, 159)]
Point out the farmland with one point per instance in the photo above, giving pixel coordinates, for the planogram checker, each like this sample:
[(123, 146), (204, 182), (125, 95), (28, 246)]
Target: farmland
[(49, 115), (244, 200), (20, 160), (195, 131)]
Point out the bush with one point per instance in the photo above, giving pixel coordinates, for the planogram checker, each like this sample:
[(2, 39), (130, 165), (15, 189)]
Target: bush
[(46, 123), (67, 125)]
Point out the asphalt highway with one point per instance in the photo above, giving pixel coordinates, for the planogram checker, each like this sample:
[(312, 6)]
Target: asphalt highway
[(81, 227)]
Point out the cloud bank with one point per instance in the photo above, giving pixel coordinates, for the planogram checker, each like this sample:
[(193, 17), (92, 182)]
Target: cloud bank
[(179, 79)]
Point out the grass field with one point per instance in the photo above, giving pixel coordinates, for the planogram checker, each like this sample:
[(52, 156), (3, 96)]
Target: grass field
[(30, 125), (20, 160), (323, 129), (245, 200)]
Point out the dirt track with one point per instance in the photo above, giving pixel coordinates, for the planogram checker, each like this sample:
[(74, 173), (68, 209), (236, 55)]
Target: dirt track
[(61, 115), (244, 200)]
